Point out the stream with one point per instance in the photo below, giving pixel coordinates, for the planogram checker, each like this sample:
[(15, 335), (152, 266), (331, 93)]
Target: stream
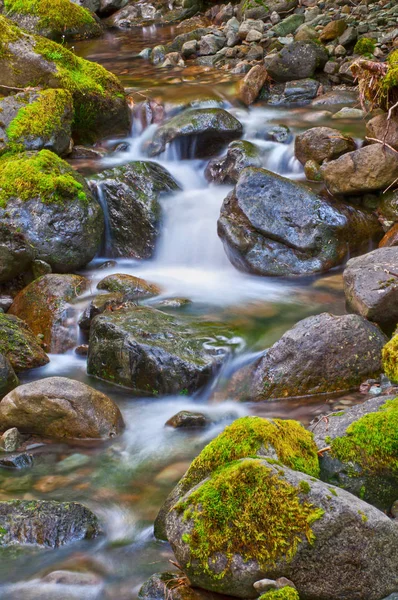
[(126, 480)]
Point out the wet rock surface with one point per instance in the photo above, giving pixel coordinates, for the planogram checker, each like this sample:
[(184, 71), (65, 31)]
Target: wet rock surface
[(19, 345)]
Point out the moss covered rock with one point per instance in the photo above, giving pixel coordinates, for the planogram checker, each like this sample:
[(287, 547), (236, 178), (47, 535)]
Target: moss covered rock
[(363, 455), (252, 519), (284, 441), (52, 18), (131, 194), (42, 197), (36, 120), (19, 345), (60, 408), (286, 593), (47, 524), (44, 305), (155, 353), (390, 359), (133, 287), (8, 379), (100, 106), (202, 132)]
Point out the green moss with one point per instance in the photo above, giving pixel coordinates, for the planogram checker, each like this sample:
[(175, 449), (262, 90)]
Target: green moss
[(59, 15), (38, 175), (365, 46), (286, 593), (390, 359), (305, 487), (293, 445), (40, 119), (372, 441), (245, 508), (8, 33)]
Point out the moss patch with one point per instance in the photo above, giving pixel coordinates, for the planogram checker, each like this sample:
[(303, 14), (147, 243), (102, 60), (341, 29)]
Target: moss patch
[(8, 33), (372, 441), (59, 15), (38, 175), (40, 119), (390, 359), (286, 593), (294, 447), (246, 509), (365, 46), (19, 344)]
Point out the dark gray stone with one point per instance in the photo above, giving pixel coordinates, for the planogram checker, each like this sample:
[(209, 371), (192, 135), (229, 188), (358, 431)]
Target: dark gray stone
[(298, 60)]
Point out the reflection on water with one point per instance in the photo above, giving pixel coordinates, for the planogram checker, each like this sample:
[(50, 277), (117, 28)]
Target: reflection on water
[(126, 480)]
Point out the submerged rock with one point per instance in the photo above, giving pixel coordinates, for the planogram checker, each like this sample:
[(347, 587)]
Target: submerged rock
[(362, 457), (187, 420), (43, 305), (279, 440), (59, 407), (131, 194), (45, 523), (371, 286), (154, 353), (320, 354), (205, 131), (49, 203), (270, 225), (289, 525), (19, 345)]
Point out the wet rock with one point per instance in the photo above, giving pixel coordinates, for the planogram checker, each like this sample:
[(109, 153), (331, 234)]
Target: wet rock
[(107, 7), (361, 456), (263, 11), (98, 305), (336, 97), (270, 225), (36, 120), (333, 30), (22, 460), (205, 131), (155, 353), (371, 286), (50, 204), (8, 379), (349, 113), (47, 524), (384, 129), (100, 106), (172, 586), (305, 540), (288, 25), (59, 407), (368, 169), (44, 305), (322, 143), (210, 44), (264, 585), (40, 268), (285, 441), (251, 84), (187, 420), (240, 154), (134, 287), (19, 345), (189, 49), (139, 14), (387, 208), (131, 194), (11, 440), (319, 355), (391, 237), (298, 92), (312, 170), (16, 253), (298, 60)]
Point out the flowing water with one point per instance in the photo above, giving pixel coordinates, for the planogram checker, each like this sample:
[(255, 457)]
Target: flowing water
[(126, 480)]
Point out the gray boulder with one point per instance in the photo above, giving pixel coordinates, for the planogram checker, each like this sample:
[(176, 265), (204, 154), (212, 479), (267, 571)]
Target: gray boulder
[(320, 354), (298, 60), (292, 526), (130, 196), (361, 456), (45, 523), (155, 353), (202, 132), (371, 286), (322, 143), (270, 225)]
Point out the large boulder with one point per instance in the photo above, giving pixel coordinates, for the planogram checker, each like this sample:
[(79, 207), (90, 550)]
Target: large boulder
[(36, 120), (254, 519), (270, 225), (60, 408), (100, 105), (155, 353), (47, 524), (54, 20), (322, 143), (19, 345), (368, 169), (298, 60), (16, 253), (202, 132), (283, 440), (8, 379), (371, 286), (44, 304), (320, 354), (240, 154), (362, 450), (49, 203), (130, 195)]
